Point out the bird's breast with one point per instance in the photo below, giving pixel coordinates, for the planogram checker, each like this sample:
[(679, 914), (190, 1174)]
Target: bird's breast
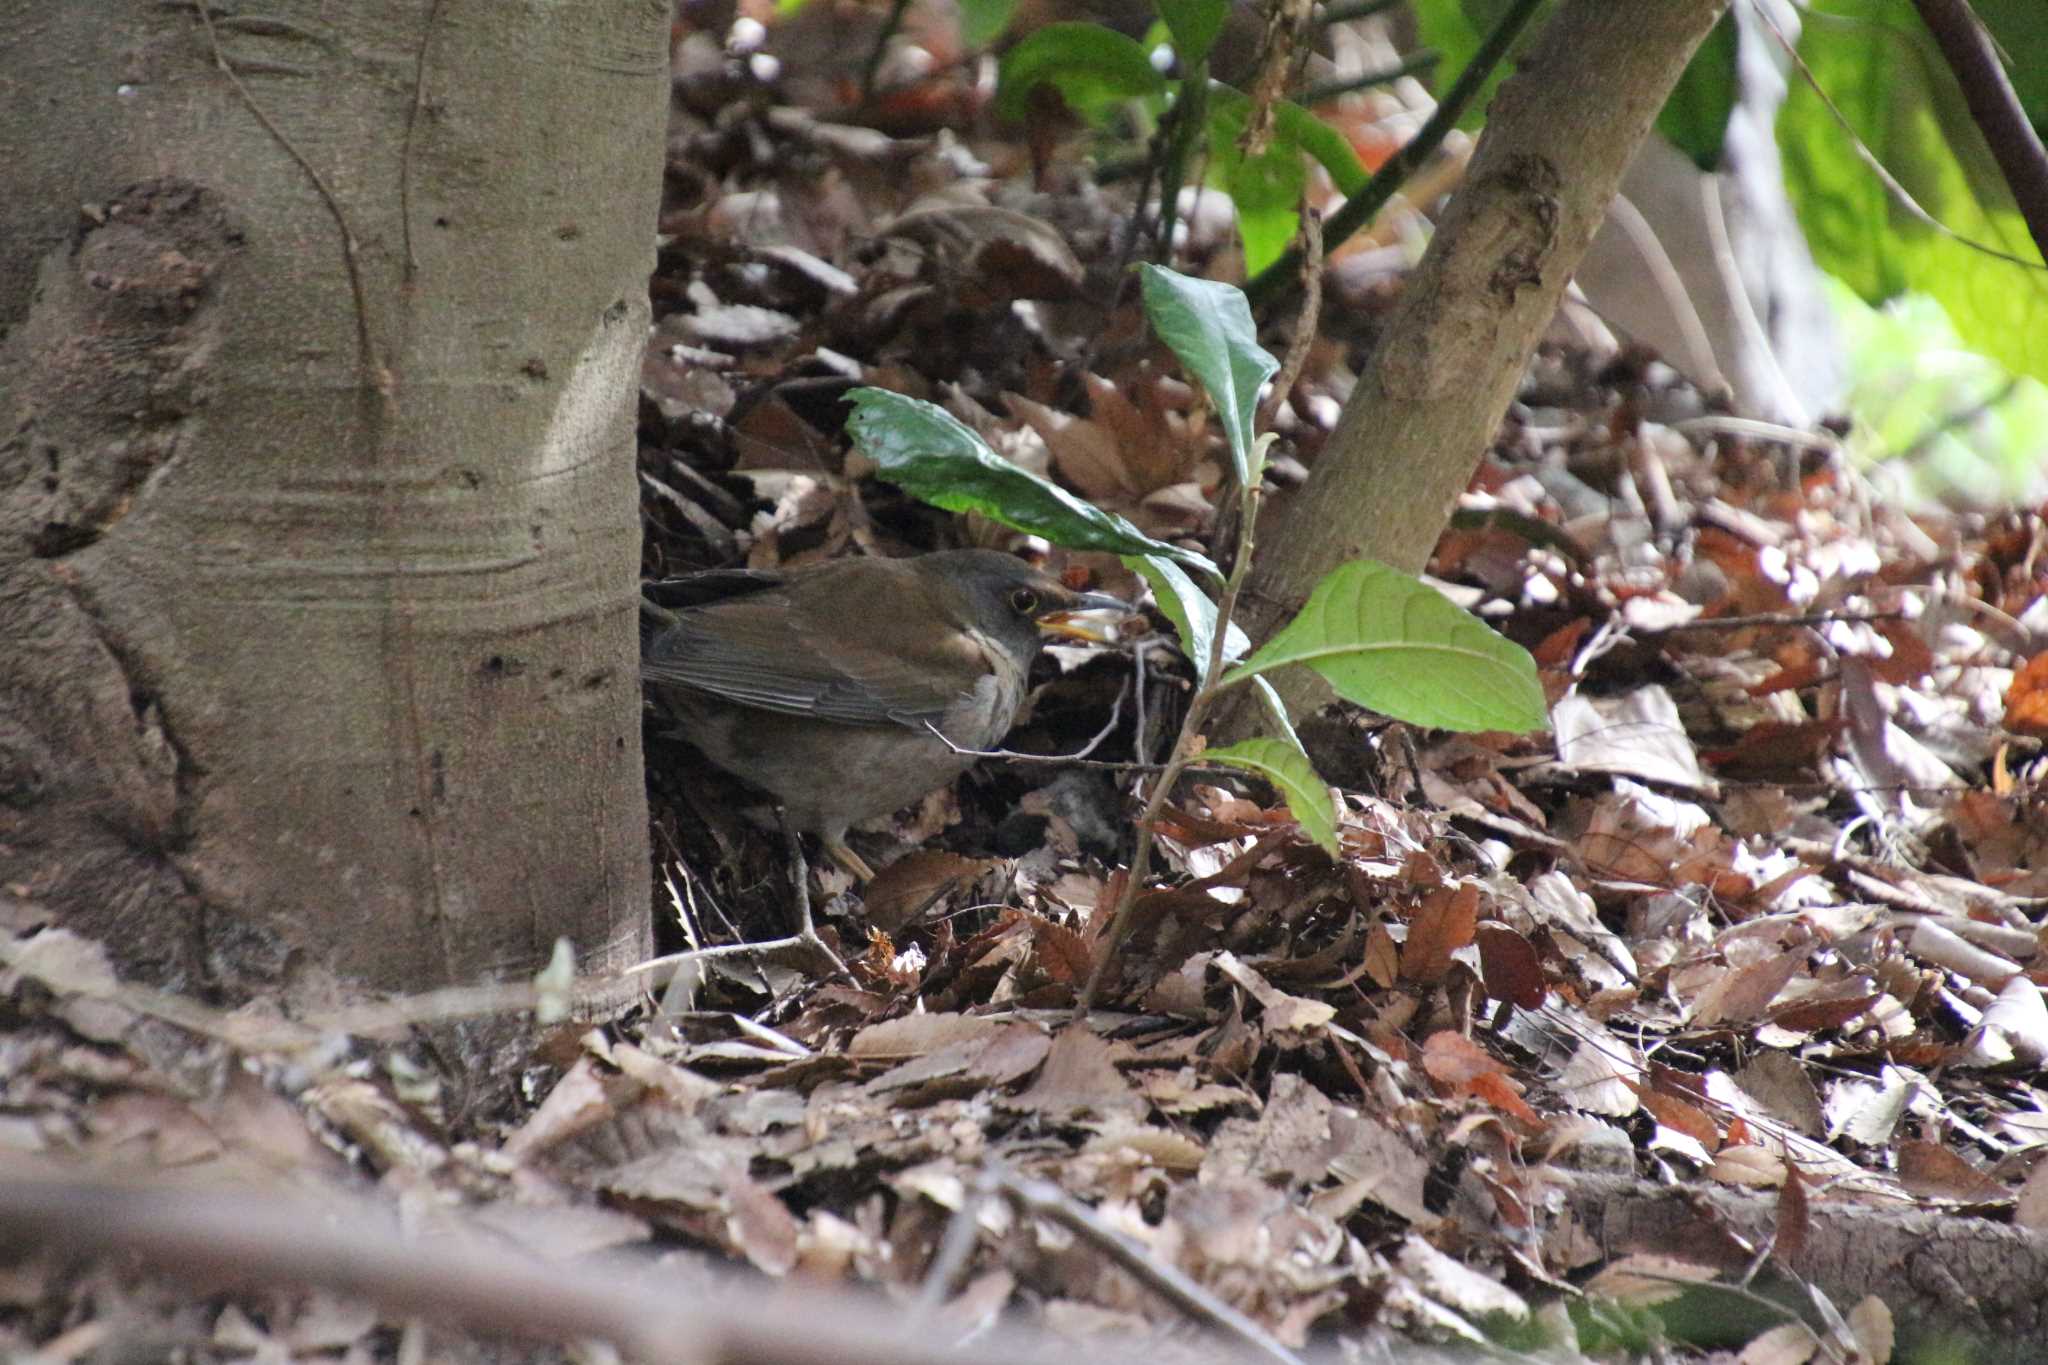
[(981, 716)]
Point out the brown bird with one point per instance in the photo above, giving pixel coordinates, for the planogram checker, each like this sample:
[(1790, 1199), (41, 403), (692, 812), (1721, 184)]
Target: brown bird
[(849, 690)]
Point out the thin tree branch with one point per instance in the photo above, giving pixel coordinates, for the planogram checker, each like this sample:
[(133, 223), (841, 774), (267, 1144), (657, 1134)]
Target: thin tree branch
[(1995, 106)]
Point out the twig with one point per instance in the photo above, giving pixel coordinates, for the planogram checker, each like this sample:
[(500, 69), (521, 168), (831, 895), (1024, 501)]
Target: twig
[(1012, 756), (1211, 675), (356, 1249), (1043, 1200), (1995, 106), (1898, 192), (1277, 280), (881, 49), (1421, 59)]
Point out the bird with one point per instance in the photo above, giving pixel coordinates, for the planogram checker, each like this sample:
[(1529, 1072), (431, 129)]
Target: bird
[(850, 689)]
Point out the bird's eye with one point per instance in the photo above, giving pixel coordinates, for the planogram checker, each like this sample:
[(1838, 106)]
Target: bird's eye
[(1025, 601)]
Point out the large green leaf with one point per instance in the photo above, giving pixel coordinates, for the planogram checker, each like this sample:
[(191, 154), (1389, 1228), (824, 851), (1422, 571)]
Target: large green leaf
[(1391, 642), (933, 456), (1287, 768), (1189, 608), (1879, 66), (1209, 326), (1094, 69)]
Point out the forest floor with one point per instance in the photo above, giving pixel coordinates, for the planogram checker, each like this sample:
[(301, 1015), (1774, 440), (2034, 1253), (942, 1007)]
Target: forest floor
[(1709, 1022)]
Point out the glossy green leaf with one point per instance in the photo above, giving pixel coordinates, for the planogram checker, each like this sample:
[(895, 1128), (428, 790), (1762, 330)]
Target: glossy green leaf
[(1391, 642), (1189, 608), (983, 21), (1094, 69), (1194, 25), (1209, 326), (933, 456), (1288, 769)]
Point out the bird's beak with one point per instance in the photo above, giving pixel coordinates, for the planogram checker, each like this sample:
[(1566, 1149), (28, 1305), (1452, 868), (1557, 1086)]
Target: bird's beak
[(1091, 618)]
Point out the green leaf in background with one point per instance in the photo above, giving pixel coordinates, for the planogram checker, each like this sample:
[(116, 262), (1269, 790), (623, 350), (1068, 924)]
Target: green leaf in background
[(1267, 188), (1209, 326), (1287, 768), (1695, 118), (1189, 608), (1194, 25), (1456, 28), (1094, 69), (1936, 423), (1877, 63), (983, 21), (934, 457), (1322, 142), (1391, 642)]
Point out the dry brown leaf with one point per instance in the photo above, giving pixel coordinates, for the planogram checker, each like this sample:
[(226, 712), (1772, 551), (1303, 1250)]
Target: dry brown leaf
[(1441, 926), (913, 883), (1510, 967), (1080, 1081), (1932, 1171)]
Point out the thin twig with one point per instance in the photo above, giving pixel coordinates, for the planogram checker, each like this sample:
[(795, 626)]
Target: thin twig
[(1012, 756), (1898, 192), (1995, 106), (1184, 749), (1278, 279), (873, 67), (1040, 1199)]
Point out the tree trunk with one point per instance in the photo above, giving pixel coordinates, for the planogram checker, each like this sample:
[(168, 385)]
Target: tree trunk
[(319, 329), (1559, 135)]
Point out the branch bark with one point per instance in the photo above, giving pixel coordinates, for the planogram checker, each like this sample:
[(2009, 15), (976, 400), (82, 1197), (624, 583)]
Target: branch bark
[(1995, 105), (1558, 138)]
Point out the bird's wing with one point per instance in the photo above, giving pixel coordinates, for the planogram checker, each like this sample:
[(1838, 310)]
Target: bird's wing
[(756, 652)]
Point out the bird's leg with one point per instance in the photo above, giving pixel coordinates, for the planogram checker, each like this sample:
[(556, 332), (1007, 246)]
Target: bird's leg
[(837, 850), (800, 876)]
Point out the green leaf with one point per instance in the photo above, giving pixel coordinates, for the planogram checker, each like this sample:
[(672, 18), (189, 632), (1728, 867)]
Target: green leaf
[(1391, 642), (1267, 188), (1877, 63), (931, 455), (1276, 711), (1194, 25), (1209, 326), (983, 21), (1189, 608), (1456, 28), (1324, 143), (1094, 69), (1287, 768), (1695, 118)]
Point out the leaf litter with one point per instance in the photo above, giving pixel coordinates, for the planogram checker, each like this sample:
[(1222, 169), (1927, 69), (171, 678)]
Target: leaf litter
[(1766, 914)]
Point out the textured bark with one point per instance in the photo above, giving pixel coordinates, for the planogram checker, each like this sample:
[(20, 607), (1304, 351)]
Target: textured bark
[(318, 593), (1559, 135), (1945, 1277)]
